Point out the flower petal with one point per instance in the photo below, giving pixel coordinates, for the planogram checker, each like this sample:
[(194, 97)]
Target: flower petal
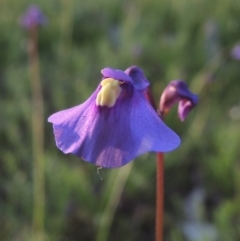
[(112, 137), (184, 107), (116, 74), (137, 75)]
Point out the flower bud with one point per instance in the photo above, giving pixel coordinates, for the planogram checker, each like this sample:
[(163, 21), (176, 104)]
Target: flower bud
[(32, 17), (177, 92)]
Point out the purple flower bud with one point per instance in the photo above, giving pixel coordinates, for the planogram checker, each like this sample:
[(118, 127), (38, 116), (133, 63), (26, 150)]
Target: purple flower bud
[(177, 92), (32, 17)]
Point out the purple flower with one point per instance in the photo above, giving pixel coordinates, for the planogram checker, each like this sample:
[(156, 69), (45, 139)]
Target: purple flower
[(33, 17), (235, 53), (177, 92), (115, 124)]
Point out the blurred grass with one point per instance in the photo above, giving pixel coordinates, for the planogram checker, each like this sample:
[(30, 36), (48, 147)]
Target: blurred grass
[(188, 39)]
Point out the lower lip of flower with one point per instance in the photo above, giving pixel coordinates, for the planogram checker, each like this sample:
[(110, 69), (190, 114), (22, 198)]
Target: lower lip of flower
[(109, 93)]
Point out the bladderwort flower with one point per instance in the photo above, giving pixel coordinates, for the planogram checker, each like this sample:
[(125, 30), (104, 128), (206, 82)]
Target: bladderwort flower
[(33, 17), (115, 124), (177, 92)]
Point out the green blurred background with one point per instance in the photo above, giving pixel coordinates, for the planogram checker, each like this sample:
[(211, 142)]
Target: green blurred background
[(168, 39)]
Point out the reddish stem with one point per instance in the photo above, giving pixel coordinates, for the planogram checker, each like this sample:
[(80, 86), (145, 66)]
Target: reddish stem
[(159, 197), (159, 178)]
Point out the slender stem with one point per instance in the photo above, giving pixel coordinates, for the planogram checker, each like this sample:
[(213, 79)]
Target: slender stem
[(37, 134), (159, 178), (159, 197)]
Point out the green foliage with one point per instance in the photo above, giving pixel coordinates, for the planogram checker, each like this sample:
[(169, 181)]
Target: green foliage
[(178, 39)]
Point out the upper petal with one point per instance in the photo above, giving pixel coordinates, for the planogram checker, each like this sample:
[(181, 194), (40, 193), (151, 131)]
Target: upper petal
[(116, 74), (137, 75)]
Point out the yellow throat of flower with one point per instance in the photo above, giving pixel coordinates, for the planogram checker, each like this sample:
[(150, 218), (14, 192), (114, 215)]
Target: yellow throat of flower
[(109, 92)]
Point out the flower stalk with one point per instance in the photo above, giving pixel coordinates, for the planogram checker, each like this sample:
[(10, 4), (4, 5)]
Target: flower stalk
[(30, 21), (159, 178), (37, 117), (37, 133), (159, 197)]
